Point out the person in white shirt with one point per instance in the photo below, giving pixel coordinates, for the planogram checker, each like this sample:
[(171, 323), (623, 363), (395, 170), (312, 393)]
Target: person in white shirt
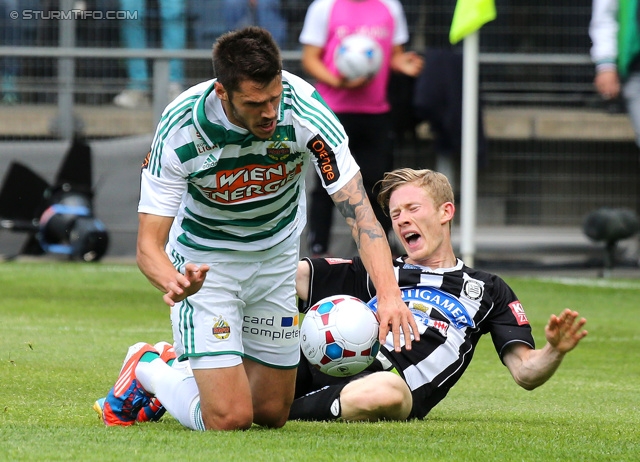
[(615, 34)]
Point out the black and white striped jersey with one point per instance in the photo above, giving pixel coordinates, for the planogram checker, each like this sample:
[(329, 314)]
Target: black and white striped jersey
[(453, 308)]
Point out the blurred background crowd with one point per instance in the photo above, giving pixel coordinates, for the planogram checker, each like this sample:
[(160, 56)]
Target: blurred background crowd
[(552, 147)]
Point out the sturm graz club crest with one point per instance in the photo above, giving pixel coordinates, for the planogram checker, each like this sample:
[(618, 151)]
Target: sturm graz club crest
[(472, 289)]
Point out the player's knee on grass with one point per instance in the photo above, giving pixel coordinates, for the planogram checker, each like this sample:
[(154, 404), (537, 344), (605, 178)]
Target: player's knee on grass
[(272, 421), (225, 399), (272, 414), (379, 396), (272, 392), (224, 418)]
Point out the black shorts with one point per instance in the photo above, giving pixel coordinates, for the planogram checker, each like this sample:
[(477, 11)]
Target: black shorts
[(311, 379)]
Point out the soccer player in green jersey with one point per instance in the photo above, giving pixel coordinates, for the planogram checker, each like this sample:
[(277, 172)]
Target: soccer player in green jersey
[(222, 208)]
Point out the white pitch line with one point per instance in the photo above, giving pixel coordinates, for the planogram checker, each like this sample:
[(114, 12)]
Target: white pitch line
[(587, 282)]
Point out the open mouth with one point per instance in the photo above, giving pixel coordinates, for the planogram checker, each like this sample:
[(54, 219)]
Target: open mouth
[(268, 126), (411, 238)]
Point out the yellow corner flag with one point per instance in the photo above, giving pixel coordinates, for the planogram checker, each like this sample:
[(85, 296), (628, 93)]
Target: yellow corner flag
[(469, 16)]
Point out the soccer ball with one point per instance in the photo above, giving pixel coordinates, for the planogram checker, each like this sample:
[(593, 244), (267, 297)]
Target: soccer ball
[(358, 56), (340, 335)]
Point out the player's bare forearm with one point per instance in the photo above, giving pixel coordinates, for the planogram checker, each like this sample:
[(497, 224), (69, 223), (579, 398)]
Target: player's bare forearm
[(354, 205), (531, 368), (370, 239), (150, 255), (153, 265), (156, 266)]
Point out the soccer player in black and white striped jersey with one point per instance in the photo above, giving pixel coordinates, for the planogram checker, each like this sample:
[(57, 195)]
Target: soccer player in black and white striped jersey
[(453, 305)]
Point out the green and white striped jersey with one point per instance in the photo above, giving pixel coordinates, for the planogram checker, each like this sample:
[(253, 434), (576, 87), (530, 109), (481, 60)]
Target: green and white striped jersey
[(229, 190)]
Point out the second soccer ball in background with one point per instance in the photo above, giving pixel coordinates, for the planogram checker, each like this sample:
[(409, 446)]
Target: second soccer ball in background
[(358, 56)]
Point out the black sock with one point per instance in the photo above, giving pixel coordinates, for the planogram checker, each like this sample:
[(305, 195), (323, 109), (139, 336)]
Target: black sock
[(323, 404)]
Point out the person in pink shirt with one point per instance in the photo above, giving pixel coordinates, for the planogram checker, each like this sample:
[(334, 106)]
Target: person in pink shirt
[(361, 104)]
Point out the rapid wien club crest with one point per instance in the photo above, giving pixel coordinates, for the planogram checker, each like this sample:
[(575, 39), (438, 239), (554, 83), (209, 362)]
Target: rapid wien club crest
[(221, 329), (278, 150)]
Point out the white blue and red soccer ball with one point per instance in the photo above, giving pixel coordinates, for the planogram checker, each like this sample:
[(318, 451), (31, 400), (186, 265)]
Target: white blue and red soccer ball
[(358, 56), (339, 335)]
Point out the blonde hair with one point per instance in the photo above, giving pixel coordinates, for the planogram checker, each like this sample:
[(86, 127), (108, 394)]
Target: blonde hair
[(434, 183)]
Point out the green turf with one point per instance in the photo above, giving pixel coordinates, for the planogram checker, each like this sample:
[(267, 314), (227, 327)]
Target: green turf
[(64, 330)]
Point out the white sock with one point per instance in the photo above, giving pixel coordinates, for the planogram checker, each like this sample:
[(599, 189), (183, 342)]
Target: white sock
[(180, 396), (177, 391), (149, 373)]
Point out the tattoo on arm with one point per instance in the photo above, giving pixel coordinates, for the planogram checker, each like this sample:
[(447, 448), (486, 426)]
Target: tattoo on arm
[(354, 205)]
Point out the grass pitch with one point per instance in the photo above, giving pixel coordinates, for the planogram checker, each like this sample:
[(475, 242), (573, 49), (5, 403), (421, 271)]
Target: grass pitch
[(65, 328)]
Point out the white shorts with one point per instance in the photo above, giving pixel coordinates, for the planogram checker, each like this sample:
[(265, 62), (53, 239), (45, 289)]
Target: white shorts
[(244, 309)]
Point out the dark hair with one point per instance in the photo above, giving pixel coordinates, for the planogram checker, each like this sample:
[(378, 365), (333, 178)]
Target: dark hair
[(246, 54)]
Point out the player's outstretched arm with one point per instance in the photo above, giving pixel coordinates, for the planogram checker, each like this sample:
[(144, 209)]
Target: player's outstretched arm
[(155, 265), (372, 244), (531, 368)]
